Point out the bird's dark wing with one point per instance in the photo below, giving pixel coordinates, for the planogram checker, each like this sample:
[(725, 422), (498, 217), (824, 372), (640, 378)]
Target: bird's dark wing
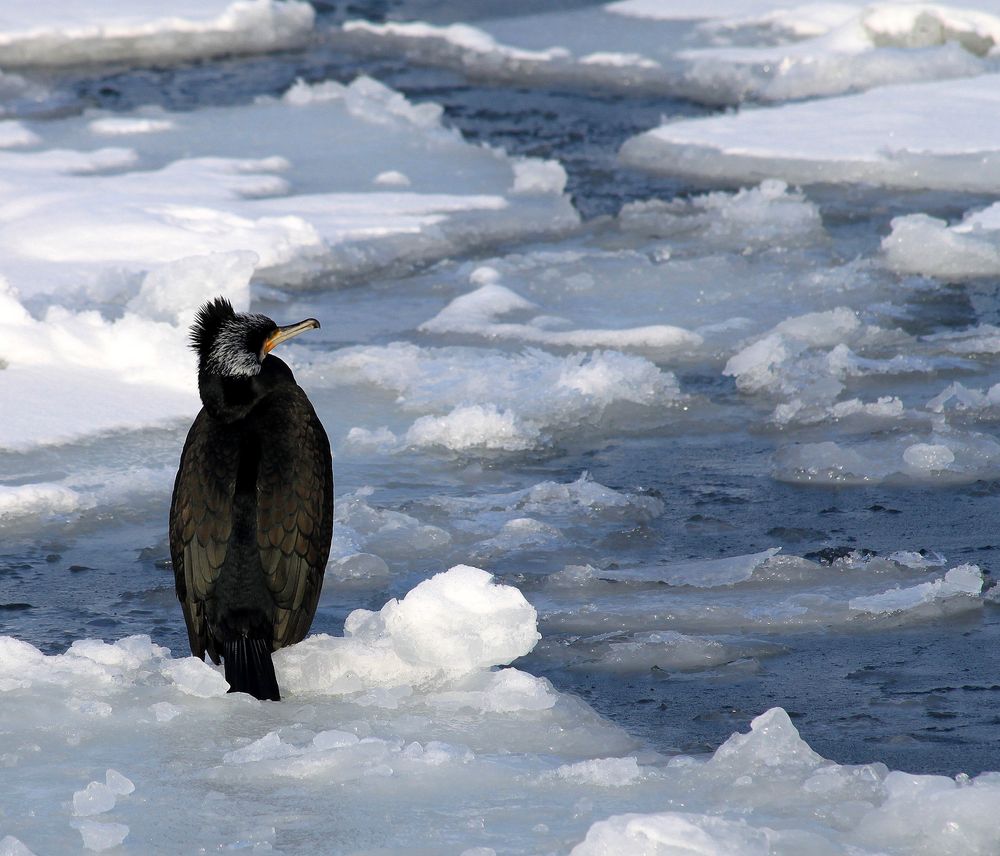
[(294, 510), (201, 520)]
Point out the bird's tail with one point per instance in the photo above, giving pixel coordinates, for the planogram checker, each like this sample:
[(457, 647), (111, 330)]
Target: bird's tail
[(249, 668)]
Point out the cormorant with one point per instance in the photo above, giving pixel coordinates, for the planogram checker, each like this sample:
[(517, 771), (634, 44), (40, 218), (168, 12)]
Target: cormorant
[(251, 517)]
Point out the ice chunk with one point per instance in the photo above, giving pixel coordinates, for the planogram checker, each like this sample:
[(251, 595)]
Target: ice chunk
[(929, 246), (673, 833), (387, 533), (505, 691), (963, 581), (538, 176), (951, 458), (102, 836), (477, 313), (14, 134), (35, 499), (118, 784), (195, 677), (913, 559), (358, 566), (475, 426), (603, 772), (704, 573), (772, 744), (509, 402), (172, 292), (928, 456), (521, 533), (392, 178), (113, 127), (334, 739), (933, 814), (668, 650), (96, 798), (268, 747), (455, 623), (164, 711), (752, 217), (11, 846), (459, 620)]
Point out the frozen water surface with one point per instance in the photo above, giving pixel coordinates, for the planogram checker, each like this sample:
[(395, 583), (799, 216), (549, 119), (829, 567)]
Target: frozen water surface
[(665, 528)]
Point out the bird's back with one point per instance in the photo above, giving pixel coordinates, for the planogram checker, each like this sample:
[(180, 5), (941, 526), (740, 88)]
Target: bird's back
[(250, 524)]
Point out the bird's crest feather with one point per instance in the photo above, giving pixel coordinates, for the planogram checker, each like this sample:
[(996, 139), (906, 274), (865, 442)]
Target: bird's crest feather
[(208, 322)]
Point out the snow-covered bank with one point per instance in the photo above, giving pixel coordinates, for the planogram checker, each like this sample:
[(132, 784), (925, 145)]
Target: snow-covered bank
[(405, 713), (66, 33)]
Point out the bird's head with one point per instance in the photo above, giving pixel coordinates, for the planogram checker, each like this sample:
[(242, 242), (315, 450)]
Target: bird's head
[(233, 344)]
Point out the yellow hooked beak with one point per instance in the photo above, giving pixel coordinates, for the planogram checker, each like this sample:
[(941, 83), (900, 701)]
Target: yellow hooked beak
[(282, 334)]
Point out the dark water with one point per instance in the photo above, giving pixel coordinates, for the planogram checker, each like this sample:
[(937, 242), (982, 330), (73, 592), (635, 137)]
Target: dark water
[(921, 699)]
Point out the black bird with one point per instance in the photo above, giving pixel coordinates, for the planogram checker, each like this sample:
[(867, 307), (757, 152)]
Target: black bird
[(252, 511)]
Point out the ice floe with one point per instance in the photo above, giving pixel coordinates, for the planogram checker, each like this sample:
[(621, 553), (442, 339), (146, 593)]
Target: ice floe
[(643, 621), (716, 53), (64, 33), (928, 135), (955, 457), (182, 190), (496, 402), (372, 542), (159, 227), (770, 778)]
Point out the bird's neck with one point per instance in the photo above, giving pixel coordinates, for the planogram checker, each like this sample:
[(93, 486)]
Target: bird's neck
[(229, 399)]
